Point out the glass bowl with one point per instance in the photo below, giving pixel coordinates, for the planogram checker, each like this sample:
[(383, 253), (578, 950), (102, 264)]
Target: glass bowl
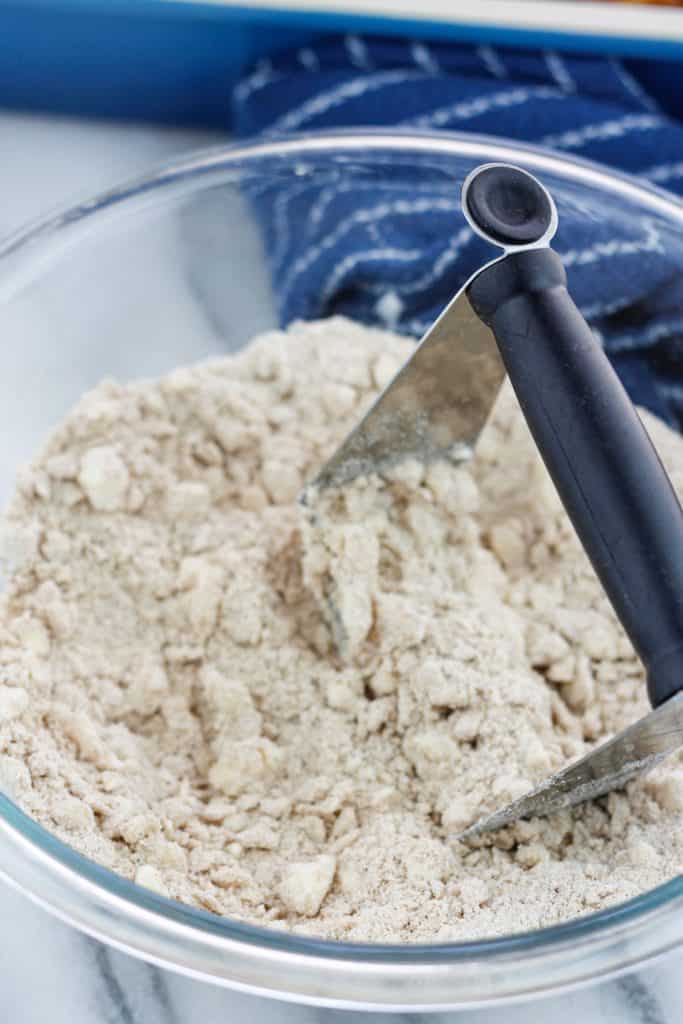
[(174, 268)]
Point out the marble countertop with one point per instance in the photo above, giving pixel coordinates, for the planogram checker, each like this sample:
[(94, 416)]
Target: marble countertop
[(49, 971)]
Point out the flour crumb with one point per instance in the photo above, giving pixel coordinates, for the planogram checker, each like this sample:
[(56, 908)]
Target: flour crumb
[(104, 478), (13, 703), (150, 878), (304, 886)]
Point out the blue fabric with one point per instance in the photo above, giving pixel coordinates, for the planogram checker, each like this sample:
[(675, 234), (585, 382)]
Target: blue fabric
[(337, 251)]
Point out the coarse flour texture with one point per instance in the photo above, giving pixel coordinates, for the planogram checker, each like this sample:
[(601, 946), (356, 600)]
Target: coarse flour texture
[(286, 715)]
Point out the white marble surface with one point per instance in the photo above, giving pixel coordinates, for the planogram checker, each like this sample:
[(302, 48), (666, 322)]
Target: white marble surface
[(48, 971)]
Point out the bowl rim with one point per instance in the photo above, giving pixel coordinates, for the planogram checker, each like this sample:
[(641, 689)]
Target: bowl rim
[(248, 957)]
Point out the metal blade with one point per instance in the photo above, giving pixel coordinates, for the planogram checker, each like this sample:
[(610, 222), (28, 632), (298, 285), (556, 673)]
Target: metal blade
[(436, 405), (610, 766)]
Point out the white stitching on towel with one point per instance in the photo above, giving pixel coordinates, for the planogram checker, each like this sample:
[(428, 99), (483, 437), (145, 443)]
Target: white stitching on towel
[(353, 259), (337, 96), (492, 61), (648, 336), (603, 130), (358, 52), (664, 172), (559, 71), (328, 195), (651, 242), (308, 58), (262, 75), (475, 107), (417, 327), (424, 58), (447, 256), (631, 85), (600, 308)]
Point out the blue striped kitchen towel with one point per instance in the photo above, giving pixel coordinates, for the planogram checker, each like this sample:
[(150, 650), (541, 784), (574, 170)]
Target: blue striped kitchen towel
[(336, 250)]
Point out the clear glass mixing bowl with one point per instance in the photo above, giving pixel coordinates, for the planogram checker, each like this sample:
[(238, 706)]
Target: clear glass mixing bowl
[(171, 269)]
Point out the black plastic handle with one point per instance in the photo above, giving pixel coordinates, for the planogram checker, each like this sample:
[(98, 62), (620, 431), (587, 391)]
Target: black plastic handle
[(599, 456)]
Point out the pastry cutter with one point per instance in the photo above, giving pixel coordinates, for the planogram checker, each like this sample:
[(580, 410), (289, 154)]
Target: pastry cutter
[(516, 316)]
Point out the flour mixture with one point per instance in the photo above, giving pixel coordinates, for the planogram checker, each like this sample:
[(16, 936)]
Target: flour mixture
[(285, 715)]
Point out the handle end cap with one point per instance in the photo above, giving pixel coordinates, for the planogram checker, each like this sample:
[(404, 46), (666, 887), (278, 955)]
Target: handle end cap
[(508, 206)]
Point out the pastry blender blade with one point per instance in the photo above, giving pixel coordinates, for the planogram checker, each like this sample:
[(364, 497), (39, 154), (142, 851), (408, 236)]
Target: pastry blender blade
[(436, 405)]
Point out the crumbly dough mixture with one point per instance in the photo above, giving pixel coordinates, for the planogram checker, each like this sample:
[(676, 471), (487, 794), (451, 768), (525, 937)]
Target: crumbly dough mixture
[(287, 716)]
